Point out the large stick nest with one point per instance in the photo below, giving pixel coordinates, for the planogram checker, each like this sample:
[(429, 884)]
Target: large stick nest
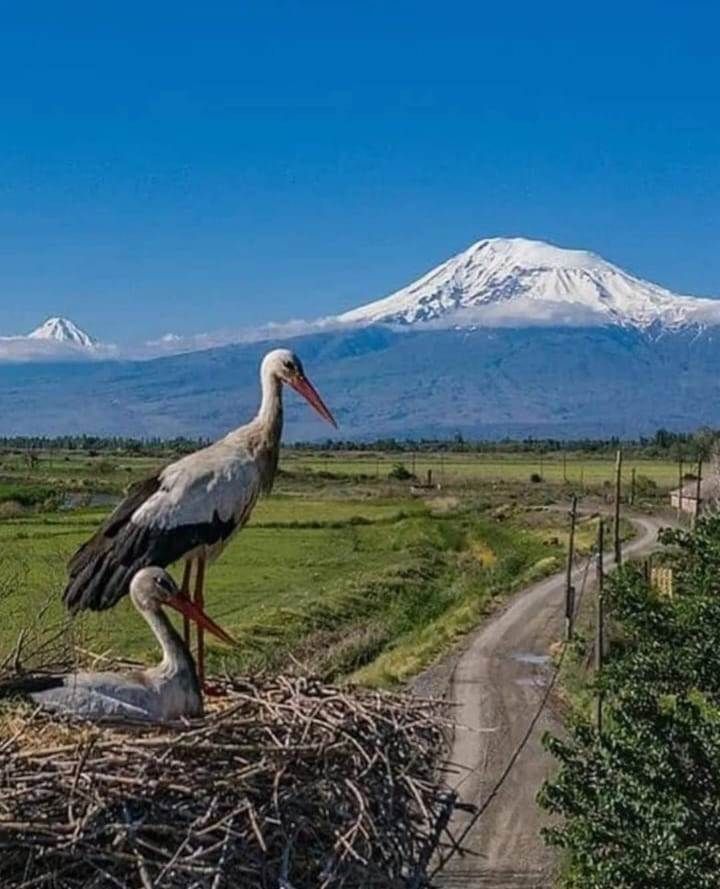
[(291, 784)]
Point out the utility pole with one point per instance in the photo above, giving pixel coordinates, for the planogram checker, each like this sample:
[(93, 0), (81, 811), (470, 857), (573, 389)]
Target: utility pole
[(569, 588), (599, 623), (680, 486), (698, 492), (618, 492)]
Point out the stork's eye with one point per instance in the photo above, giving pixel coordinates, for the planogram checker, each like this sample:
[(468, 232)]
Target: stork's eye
[(165, 585)]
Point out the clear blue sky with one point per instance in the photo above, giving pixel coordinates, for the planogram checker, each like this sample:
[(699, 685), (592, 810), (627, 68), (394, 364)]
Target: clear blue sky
[(191, 167)]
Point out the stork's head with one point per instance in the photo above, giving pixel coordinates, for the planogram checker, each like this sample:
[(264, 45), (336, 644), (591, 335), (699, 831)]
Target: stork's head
[(285, 366), (151, 588)]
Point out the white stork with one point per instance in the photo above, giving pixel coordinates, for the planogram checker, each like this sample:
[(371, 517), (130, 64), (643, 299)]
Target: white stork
[(191, 508), (166, 692)]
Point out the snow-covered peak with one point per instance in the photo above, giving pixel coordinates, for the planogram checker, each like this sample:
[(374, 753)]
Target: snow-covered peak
[(63, 330), (526, 253), (516, 281)]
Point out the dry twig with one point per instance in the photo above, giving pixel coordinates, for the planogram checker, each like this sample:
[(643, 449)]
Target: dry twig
[(293, 783)]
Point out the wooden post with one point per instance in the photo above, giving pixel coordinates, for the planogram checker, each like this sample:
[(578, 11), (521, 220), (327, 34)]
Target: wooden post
[(569, 588), (599, 622), (618, 493), (698, 493), (680, 486), (632, 486)]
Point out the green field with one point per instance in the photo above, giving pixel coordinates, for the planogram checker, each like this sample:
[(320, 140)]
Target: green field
[(458, 468), (339, 583), (112, 472), (349, 573)]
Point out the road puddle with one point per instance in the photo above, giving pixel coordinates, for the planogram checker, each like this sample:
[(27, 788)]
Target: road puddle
[(535, 680), (527, 657)]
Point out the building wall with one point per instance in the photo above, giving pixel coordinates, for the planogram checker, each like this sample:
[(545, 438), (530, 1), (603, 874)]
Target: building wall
[(689, 504)]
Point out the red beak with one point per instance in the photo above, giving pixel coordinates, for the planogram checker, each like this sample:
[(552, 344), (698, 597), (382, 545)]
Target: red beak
[(312, 396), (190, 610)]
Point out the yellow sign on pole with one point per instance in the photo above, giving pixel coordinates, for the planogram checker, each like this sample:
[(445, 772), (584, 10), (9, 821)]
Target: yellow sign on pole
[(661, 579)]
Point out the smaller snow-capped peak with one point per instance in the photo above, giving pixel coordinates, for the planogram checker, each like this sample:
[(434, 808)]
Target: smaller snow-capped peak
[(516, 281), (62, 330)]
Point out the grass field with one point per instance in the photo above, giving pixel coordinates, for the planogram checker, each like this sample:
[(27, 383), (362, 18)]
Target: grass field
[(352, 576), (454, 468), (112, 472), (336, 582)]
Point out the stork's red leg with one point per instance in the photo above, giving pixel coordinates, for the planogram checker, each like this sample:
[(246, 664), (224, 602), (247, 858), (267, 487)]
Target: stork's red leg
[(185, 591), (200, 602)]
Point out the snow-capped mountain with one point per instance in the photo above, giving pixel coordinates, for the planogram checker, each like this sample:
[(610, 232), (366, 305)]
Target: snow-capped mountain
[(509, 338), (518, 282), (57, 339), (62, 330)]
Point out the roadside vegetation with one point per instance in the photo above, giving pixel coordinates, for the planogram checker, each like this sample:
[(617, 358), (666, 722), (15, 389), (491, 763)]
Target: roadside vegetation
[(638, 804)]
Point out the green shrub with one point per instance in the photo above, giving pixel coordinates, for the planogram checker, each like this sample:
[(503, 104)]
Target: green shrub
[(400, 473)]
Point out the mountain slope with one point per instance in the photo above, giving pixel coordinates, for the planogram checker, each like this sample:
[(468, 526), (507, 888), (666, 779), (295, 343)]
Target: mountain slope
[(515, 281), (596, 381)]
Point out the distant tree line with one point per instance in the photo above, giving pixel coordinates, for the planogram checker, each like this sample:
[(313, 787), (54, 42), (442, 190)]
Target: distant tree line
[(664, 443), (102, 444)]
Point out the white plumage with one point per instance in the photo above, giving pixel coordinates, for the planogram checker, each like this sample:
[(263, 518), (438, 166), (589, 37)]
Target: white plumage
[(217, 483)]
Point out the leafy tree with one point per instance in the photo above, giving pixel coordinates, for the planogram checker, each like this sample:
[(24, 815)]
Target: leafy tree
[(640, 805)]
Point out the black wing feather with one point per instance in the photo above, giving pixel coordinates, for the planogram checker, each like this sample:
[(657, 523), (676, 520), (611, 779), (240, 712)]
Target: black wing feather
[(22, 686), (101, 570), (118, 518)]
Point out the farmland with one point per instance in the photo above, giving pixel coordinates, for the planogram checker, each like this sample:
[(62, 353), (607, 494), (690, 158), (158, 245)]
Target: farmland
[(335, 580), (555, 468), (340, 568)]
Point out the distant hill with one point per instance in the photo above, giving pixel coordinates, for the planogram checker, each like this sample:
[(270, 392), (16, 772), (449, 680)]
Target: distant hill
[(545, 381)]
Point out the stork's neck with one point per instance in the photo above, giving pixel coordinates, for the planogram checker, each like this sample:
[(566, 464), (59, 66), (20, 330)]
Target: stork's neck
[(270, 415), (176, 657)]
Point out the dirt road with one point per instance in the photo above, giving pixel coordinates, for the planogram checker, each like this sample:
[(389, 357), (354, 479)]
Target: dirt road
[(497, 685)]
